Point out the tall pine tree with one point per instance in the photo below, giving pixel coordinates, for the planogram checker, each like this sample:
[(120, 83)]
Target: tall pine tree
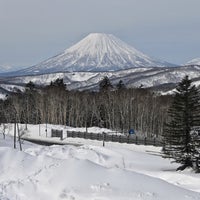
[(105, 85), (184, 115)]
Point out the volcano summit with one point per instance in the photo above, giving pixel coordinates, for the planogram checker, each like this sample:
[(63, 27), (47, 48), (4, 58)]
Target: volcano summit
[(96, 52)]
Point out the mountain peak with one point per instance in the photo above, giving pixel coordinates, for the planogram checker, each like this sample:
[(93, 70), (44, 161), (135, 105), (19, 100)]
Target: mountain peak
[(105, 50), (98, 35), (97, 52)]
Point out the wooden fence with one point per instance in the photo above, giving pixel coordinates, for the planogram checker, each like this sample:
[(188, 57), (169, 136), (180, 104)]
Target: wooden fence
[(130, 139), (57, 133)]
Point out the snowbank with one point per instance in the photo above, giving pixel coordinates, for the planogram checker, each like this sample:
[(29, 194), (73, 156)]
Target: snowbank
[(91, 172)]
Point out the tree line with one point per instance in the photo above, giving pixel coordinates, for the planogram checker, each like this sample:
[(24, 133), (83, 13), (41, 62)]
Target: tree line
[(117, 108), (175, 118)]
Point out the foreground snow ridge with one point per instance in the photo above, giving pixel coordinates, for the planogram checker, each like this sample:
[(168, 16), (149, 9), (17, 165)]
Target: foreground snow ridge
[(91, 172)]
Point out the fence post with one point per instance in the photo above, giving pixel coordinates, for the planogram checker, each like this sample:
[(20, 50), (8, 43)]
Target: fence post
[(120, 139), (145, 141), (136, 140), (91, 136), (61, 135), (104, 135), (97, 136), (46, 129), (112, 138)]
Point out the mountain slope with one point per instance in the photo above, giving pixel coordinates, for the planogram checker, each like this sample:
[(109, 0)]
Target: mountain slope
[(96, 52), (156, 77), (195, 61), (6, 68)]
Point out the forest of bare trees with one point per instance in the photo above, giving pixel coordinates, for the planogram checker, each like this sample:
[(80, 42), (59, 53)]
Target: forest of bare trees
[(114, 108)]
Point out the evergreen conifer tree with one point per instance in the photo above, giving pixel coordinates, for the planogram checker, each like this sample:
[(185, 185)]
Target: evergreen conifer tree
[(184, 115), (120, 85), (105, 85)]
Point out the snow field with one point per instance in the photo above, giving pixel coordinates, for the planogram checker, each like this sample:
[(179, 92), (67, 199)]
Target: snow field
[(92, 172)]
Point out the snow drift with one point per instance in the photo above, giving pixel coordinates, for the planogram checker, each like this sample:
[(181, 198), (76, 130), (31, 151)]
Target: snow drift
[(90, 172)]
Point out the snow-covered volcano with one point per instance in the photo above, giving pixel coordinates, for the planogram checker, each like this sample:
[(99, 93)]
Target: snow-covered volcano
[(96, 52)]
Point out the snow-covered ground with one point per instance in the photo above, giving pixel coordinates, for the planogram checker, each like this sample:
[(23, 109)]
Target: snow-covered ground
[(90, 171), (2, 96)]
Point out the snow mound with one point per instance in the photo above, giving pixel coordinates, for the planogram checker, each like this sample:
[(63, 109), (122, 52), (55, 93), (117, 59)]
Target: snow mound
[(82, 173)]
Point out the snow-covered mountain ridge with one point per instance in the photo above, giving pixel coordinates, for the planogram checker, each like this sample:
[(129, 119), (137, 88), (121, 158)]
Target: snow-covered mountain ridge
[(195, 61), (135, 77), (5, 68), (96, 52), (84, 64)]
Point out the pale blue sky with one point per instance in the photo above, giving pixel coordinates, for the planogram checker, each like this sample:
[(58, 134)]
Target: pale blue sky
[(34, 30)]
